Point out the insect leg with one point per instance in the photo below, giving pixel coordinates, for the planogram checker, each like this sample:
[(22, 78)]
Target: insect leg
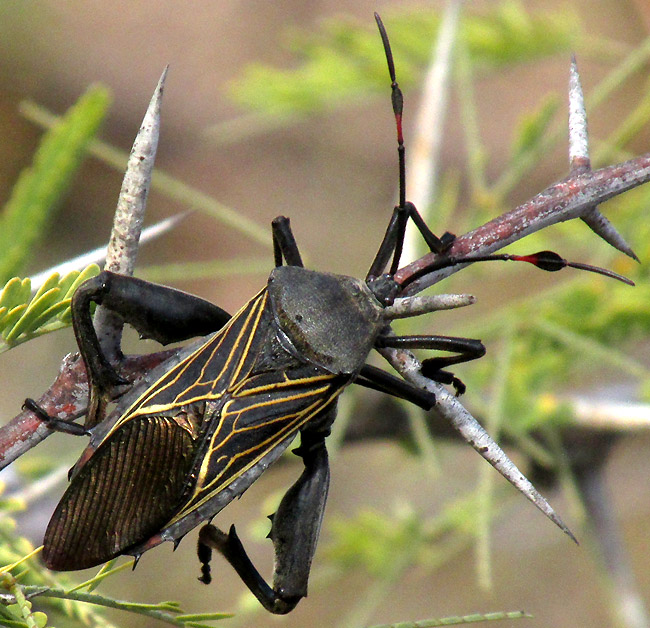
[(156, 311), (393, 240), (377, 379), (284, 244), (294, 532), (466, 349), (53, 423)]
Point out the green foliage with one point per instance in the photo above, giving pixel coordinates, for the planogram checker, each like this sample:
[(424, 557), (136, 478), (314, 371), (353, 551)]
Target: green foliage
[(510, 34), (345, 60), (55, 593), (17, 555), (25, 216), (23, 316), (382, 542), (375, 540), (41, 186), (20, 614), (533, 127), (475, 618)]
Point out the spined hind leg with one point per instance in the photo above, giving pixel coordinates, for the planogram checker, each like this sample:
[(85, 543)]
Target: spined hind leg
[(155, 311), (294, 532)]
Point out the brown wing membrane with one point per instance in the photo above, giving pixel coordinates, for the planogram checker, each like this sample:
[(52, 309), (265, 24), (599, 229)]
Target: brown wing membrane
[(125, 493)]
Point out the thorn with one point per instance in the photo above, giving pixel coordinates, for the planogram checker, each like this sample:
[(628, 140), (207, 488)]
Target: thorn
[(578, 134), (474, 434), (206, 575), (560, 524), (580, 162), (129, 214), (122, 249), (606, 230)]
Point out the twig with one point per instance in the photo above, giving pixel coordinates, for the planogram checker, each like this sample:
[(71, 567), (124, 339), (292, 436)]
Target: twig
[(98, 255), (570, 198), (66, 399), (167, 612), (425, 147), (625, 597)]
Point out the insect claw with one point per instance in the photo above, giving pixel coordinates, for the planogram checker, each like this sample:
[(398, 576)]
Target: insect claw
[(206, 576), (204, 551), (447, 239)]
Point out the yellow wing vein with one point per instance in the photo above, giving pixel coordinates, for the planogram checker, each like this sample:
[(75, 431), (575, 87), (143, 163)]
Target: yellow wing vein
[(293, 421), (143, 406)]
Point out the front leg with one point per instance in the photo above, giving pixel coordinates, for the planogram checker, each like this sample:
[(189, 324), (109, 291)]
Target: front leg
[(294, 532), (393, 241)]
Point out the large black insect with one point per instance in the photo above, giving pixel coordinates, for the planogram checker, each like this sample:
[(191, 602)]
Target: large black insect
[(198, 430)]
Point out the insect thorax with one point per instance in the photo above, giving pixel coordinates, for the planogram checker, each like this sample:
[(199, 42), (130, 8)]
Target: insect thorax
[(331, 320)]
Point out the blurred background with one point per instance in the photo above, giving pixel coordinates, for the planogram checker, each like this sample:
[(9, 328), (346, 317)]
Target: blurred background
[(283, 108)]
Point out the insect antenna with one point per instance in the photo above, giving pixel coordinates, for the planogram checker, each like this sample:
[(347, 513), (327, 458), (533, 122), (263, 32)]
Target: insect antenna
[(397, 100), (393, 241), (546, 260)]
